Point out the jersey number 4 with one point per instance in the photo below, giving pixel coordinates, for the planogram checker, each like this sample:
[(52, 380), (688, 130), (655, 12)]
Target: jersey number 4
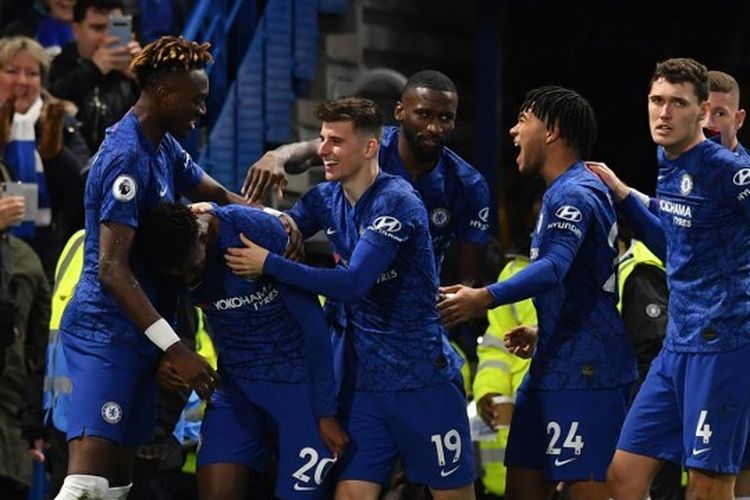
[(703, 430), (573, 440)]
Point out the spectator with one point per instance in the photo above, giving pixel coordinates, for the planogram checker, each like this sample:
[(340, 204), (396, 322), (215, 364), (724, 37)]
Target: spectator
[(94, 74), (31, 117), (31, 296), (48, 22)]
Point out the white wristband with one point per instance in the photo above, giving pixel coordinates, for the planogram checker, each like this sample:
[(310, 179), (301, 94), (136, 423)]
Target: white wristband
[(273, 211), (161, 334)]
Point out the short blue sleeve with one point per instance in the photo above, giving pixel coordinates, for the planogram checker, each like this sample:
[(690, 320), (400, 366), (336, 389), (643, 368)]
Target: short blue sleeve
[(123, 188), (187, 173), (306, 212), (734, 183), (392, 220), (566, 219)]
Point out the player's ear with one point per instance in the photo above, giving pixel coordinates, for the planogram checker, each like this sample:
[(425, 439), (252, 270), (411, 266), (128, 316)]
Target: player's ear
[(371, 149), (552, 135), (164, 94), (705, 108), (398, 112), (739, 118)]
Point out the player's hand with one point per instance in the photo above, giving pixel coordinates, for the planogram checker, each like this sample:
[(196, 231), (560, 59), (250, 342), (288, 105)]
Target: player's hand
[(263, 175), (461, 303), (334, 436), (168, 377), (521, 340), (51, 138), (12, 209), (608, 177), (37, 450), (201, 207), (247, 261), (494, 414), (192, 368), (6, 120), (295, 249)]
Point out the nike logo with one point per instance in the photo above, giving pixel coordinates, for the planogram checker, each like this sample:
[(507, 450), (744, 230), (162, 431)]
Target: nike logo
[(560, 463), (299, 487), (163, 191), (702, 450), (444, 473), (330, 231)]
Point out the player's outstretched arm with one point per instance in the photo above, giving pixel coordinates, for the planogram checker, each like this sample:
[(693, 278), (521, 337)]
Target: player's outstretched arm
[(271, 170), (548, 271), (208, 189), (368, 262), (646, 226), (117, 278)]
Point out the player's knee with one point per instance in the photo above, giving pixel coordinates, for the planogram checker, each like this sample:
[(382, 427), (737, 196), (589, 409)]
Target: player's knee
[(709, 487), (357, 490), (624, 486), (78, 486)]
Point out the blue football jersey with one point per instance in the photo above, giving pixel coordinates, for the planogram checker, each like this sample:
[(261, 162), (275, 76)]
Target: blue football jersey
[(128, 177), (455, 194), (741, 152), (398, 339), (704, 205), (582, 340), (255, 335)]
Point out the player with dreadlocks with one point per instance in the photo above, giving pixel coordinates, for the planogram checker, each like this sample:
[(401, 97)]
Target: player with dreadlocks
[(570, 408), (112, 363)]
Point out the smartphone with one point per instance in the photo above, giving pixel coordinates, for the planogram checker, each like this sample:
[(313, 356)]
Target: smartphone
[(30, 194), (13, 189), (122, 28)]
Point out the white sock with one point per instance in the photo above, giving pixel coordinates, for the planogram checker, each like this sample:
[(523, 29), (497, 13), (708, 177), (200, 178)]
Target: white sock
[(76, 486), (118, 492)]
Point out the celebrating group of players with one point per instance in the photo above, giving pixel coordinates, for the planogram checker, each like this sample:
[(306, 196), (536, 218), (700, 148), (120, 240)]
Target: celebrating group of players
[(341, 394)]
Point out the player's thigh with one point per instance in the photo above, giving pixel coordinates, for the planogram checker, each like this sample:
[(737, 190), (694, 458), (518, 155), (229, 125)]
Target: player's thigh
[(357, 490), (233, 431), (431, 429), (588, 490), (716, 419), (96, 456), (630, 475), (527, 484), (653, 426), (742, 483), (303, 459), (223, 481), (465, 492)]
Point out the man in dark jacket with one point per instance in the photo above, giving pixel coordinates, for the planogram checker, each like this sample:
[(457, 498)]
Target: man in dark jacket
[(92, 72)]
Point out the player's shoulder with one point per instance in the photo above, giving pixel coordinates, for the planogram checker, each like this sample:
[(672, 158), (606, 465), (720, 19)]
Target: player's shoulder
[(395, 189), (465, 174), (390, 136), (722, 159)]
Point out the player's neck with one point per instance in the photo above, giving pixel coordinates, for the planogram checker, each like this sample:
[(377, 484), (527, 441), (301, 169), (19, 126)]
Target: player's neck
[(556, 164), (675, 150), (414, 166), (150, 124), (356, 185)]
